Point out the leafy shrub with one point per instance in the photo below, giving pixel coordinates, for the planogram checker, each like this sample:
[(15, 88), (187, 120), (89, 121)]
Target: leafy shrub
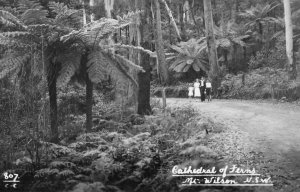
[(275, 57), (260, 84)]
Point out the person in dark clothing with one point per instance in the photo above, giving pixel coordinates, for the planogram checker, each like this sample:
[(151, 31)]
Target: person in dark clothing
[(202, 88), (208, 89)]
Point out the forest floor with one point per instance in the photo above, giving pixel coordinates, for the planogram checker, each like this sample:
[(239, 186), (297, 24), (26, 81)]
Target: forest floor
[(270, 130)]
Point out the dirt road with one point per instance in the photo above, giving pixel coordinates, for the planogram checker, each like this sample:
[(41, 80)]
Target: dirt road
[(274, 129)]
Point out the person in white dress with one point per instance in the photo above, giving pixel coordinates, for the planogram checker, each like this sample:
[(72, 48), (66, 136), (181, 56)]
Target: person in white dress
[(197, 88), (191, 91)]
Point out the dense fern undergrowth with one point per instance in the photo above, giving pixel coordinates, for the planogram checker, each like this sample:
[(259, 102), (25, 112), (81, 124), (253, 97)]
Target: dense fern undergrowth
[(131, 153)]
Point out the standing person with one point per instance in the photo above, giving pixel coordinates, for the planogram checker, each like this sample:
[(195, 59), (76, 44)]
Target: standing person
[(191, 90), (208, 89), (197, 88), (202, 89)]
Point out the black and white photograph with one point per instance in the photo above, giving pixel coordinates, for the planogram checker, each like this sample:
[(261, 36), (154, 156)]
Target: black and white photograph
[(149, 95)]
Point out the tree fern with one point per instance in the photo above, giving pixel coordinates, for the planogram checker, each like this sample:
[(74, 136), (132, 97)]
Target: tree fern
[(95, 31), (189, 54)]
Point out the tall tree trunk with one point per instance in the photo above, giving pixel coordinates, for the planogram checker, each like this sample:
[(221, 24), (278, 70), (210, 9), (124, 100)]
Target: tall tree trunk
[(198, 28), (134, 56), (164, 75), (171, 18), (211, 44), (234, 11), (83, 12), (144, 79), (181, 21), (186, 11), (144, 107), (289, 40), (109, 5), (51, 80), (92, 4)]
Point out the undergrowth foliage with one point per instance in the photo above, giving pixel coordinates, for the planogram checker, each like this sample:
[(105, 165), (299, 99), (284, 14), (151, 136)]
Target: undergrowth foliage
[(136, 156)]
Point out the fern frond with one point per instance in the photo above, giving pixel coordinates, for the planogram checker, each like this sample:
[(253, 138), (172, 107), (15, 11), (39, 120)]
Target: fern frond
[(40, 29), (57, 7), (94, 32), (70, 63), (61, 164), (42, 86), (66, 173), (10, 64), (55, 150), (101, 65), (19, 38), (127, 62), (43, 173), (128, 18), (6, 22), (28, 4), (120, 69), (97, 66), (65, 16), (137, 48), (16, 34), (8, 19), (34, 16)]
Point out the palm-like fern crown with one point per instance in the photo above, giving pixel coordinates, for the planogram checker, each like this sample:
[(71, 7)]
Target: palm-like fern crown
[(260, 14), (189, 54), (64, 42), (104, 58), (229, 34), (31, 29)]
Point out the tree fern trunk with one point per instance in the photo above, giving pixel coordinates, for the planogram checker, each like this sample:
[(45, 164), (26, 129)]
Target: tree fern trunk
[(89, 104), (51, 78), (172, 20)]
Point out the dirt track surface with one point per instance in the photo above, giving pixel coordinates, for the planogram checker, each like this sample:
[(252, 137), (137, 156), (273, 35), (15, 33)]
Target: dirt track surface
[(273, 129)]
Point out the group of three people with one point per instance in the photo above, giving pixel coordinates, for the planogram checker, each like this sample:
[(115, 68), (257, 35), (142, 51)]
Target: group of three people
[(200, 89)]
